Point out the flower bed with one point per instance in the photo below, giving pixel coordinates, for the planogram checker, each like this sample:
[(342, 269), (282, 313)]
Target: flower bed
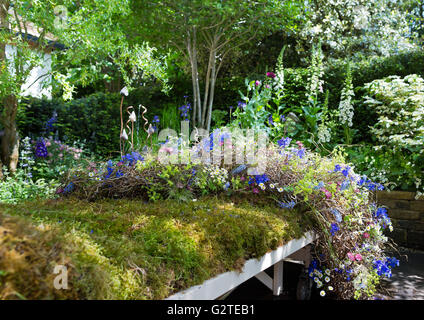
[(320, 193), (351, 255)]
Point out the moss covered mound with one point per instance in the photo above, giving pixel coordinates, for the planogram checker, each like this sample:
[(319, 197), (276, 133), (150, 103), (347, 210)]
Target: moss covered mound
[(123, 249)]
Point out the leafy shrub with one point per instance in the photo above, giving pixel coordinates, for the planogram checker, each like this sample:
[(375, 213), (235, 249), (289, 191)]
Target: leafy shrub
[(398, 156)]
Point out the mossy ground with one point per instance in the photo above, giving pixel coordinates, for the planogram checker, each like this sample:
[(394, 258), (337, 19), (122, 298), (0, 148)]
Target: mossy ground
[(127, 249)]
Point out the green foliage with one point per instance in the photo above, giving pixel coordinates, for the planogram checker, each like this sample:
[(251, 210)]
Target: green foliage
[(20, 187), (399, 132)]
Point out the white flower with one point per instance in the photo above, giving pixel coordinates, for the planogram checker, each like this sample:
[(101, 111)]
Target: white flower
[(330, 288), (327, 279), (322, 293)]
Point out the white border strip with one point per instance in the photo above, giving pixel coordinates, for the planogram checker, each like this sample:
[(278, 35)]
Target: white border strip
[(224, 282)]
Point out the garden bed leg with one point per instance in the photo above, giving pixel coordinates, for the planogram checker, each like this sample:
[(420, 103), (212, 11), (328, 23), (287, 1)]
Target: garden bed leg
[(277, 282)]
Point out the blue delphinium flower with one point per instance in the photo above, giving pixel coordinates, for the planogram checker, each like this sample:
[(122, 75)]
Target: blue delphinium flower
[(300, 153), (184, 111), (41, 149), (270, 120), (51, 122), (226, 186), (337, 168), (284, 142)]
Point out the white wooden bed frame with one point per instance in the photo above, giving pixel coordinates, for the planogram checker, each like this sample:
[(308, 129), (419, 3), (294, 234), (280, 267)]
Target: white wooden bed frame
[(296, 251)]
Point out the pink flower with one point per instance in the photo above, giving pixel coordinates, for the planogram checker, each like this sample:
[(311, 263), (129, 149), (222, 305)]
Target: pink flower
[(299, 144), (267, 86), (60, 155), (358, 257), (366, 235), (76, 156), (242, 178), (48, 143), (327, 193), (255, 190), (257, 83), (351, 256)]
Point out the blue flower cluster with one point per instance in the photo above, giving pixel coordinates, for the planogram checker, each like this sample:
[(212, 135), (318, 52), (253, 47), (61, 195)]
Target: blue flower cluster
[(383, 268), (344, 171), (110, 170), (288, 205), (132, 158), (184, 111), (262, 178), (51, 122), (347, 272), (334, 228), (381, 216), (155, 122), (69, 188), (41, 149), (371, 186), (300, 153), (284, 142)]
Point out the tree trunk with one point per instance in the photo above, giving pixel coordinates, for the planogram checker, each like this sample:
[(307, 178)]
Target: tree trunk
[(10, 139), (212, 92), (4, 24)]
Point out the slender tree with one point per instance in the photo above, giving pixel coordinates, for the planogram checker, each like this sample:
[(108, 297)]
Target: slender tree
[(211, 29)]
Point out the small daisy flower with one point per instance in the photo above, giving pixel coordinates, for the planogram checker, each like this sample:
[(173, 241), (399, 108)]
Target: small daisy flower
[(280, 189), (330, 288), (322, 293), (327, 279), (272, 186)]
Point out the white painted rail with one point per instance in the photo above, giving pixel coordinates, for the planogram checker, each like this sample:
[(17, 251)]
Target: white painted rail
[(214, 288)]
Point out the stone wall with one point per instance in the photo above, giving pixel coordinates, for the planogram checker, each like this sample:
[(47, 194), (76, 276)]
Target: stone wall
[(407, 215)]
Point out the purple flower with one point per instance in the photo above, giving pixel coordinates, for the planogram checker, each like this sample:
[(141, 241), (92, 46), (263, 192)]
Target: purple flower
[(241, 104), (257, 83), (271, 75)]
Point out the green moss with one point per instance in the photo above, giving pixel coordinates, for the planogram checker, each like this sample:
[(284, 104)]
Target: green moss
[(123, 249)]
